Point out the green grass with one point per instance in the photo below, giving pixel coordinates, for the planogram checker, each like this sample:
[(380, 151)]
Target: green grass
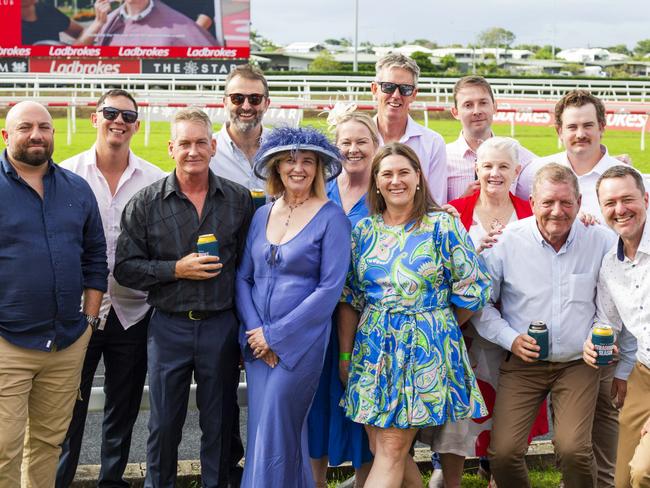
[(538, 479), (541, 140)]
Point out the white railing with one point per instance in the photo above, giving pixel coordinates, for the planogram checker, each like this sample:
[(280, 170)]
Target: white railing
[(305, 87)]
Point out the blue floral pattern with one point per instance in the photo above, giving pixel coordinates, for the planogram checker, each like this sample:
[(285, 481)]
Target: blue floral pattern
[(409, 365)]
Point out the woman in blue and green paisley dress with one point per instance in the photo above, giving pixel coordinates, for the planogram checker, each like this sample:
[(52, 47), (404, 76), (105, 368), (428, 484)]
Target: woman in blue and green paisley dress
[(414, 277)]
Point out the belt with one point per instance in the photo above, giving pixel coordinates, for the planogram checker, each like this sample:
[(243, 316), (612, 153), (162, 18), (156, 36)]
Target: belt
[(195, 314)]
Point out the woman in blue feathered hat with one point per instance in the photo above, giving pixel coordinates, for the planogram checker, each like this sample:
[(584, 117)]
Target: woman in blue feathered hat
[(289, 281)]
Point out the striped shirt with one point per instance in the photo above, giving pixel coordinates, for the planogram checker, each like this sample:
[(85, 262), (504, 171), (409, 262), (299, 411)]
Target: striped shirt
[(160, 226)]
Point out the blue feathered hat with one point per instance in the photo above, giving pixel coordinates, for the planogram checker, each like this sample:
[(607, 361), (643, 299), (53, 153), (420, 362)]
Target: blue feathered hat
[(300, 139)]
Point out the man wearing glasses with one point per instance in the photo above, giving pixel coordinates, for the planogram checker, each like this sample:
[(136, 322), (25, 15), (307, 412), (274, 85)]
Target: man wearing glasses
[(246, 100), (114, 174), (394, 89)]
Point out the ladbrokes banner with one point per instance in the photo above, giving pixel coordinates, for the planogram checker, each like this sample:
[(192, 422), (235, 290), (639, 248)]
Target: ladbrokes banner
[(127, 29)]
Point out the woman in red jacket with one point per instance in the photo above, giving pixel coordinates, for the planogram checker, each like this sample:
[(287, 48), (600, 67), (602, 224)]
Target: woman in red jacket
[(484, 213)]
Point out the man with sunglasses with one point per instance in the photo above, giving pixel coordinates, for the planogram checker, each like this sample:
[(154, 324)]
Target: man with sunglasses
[(394, 89), (114, 174), (246, 99)]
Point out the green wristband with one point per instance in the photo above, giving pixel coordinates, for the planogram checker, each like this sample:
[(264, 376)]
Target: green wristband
[(345, 356)]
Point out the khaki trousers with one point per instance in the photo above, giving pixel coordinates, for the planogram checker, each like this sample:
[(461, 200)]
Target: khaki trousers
[(605, 431), (633, 459), (521, 390), (37, 394)]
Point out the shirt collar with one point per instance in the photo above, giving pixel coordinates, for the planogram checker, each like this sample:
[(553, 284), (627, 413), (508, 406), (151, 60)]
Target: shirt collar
[(537, 235), (413, 129), (600, 167), (171, 185), (132, 166), (136, 17), (10, 170), (644, 245)]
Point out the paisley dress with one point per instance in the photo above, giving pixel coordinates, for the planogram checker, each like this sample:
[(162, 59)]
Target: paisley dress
[(409, 365)]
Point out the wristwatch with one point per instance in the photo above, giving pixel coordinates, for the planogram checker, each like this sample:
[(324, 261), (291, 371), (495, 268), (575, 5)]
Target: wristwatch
[(93, 321)]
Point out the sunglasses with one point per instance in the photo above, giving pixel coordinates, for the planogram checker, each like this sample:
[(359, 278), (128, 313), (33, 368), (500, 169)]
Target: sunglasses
[(389, 88), (111, 113), (239, 98)]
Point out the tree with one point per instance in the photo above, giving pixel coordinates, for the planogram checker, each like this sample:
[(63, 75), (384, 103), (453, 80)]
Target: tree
[(530, 47), (642, 47), (425, 43), (496, 37), (545, 52), (448, 63), (324, 62), (423, 60), (620, 49)]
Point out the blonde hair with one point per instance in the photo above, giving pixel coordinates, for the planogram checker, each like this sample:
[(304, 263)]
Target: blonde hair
[(191, 114), (361, 118), (556, 173), (506, 145)]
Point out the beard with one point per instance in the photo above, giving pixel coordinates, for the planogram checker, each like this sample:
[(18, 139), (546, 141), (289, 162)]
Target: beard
[(248, 125), (22, 154)]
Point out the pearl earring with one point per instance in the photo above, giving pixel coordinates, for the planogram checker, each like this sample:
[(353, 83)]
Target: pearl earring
[(417, 188)]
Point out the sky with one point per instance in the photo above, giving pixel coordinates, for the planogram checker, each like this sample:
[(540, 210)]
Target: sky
[(565, 23)]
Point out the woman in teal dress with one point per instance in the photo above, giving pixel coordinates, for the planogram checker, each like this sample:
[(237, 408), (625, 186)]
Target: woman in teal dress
[(414, 277)]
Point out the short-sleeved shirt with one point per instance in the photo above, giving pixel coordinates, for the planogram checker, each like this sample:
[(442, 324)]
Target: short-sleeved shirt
[(50, 21)]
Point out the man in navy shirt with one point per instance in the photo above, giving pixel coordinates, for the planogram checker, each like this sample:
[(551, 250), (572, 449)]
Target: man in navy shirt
[(52, 252)]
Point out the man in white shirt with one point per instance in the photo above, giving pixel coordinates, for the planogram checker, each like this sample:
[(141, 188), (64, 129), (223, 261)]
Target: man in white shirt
[(246, 98), (394, 89), (545, 268), (580, 124), (114, 174), (474, 107), (623, 291)]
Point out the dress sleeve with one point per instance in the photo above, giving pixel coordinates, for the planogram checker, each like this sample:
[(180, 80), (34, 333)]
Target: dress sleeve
[(291, 336), (352, 291), (470, 281), (246, 310)]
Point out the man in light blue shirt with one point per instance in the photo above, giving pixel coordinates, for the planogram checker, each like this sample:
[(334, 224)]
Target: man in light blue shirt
[(246, 99), (545, 268)]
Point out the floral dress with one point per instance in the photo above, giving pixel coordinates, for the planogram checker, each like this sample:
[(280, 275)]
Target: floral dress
[(409, 365)]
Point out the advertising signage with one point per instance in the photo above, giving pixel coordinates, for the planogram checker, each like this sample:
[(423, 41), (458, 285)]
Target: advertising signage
[(127, 29)]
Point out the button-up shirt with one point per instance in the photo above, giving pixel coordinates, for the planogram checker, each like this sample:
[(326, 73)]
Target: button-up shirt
[(231, 163), (533, 282), (624, 296), (130, 305), (160, 225), (587, 181), (430, 148), (461, 169), (51, 249)]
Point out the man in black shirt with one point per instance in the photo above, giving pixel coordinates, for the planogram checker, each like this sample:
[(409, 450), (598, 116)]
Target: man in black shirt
[(194, 328)]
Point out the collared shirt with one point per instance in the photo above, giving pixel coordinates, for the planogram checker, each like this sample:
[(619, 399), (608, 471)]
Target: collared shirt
[(587, 181), (624, 296), (461, 169), (160, 225), (533, 282), (130, 305), (51, 249), (231, 163), (430, 148), (134, 18)]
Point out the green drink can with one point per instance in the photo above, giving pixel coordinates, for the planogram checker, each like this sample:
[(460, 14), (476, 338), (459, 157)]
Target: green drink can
[(538, 331)]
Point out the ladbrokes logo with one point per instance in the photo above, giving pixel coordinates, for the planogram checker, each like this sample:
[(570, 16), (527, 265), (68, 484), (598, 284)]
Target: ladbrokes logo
[(84, 67), (15, 51), (79, 68)]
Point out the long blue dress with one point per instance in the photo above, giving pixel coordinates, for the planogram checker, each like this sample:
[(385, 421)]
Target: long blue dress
[(330, 432), (290, 290)]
